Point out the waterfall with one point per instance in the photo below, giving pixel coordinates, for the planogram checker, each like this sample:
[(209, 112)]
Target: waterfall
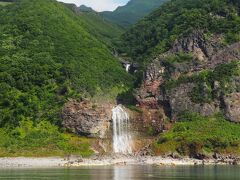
[(127, 66), (122, 139)]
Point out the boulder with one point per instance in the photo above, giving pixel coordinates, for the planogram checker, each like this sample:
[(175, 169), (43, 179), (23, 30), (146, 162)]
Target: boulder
[(86, 118), (232, 106)]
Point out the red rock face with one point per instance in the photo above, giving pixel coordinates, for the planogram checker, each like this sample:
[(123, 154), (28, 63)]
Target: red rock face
[(151, 90), (153, 115)]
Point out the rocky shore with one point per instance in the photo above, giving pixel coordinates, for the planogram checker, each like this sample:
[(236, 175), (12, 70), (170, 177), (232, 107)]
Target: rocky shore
[(77, 161), (26, 162), (152, 160)]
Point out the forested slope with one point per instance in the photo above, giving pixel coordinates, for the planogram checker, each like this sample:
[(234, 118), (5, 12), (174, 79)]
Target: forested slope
[(102, 29), (156, 33), (47, 54)]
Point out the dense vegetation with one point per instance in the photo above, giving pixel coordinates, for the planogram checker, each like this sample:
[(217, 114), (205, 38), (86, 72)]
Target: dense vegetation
[(48, 55), (132, 12), (103, 30), (195, 135), (42, 139), (155, 33)]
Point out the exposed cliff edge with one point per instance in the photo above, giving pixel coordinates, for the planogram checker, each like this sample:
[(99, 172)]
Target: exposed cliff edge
[(198, 74)]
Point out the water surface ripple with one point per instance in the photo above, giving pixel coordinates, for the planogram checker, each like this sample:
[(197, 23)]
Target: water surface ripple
[(126, 173)]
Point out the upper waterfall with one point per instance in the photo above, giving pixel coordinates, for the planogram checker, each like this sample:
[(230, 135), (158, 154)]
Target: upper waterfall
[(122, 139), (128, 67)]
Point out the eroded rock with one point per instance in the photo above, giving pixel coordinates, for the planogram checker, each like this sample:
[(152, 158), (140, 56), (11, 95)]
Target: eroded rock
[(86, 118)]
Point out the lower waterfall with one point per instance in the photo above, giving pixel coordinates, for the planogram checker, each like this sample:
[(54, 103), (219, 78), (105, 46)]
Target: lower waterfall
[(122, 139)]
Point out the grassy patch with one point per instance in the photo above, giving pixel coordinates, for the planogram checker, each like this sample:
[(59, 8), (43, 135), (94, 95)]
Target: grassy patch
[(196, 134), (42, 139), (179, 58)]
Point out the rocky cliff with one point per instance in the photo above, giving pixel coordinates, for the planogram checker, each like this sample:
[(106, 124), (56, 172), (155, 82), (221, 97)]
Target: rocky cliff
[(86, 118), (198, 74)]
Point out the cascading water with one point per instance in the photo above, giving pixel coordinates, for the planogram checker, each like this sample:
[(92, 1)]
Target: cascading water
[(122, 139), (128, 67)]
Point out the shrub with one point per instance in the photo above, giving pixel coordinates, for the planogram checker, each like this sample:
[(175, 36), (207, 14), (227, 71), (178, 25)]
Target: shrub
[(195, 134)]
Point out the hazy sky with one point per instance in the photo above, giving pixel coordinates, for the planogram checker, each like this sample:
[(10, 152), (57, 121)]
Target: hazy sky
[(99, 5)]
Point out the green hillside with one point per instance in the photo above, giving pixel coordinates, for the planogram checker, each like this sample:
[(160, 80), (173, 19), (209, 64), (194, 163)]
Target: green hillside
[(132, 12), (47, 55), (155, 34), (102, 29)]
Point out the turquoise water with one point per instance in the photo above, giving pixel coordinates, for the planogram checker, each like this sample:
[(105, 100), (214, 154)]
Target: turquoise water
[(126, 173)]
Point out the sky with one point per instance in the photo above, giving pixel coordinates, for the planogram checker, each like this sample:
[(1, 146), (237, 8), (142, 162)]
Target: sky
[(98, 5)]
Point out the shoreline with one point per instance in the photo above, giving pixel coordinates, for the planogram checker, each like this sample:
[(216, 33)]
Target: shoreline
[(75, 161)]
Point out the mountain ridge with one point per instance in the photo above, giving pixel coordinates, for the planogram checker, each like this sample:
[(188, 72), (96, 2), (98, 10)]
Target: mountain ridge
[(133, 11), (85, 8)]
